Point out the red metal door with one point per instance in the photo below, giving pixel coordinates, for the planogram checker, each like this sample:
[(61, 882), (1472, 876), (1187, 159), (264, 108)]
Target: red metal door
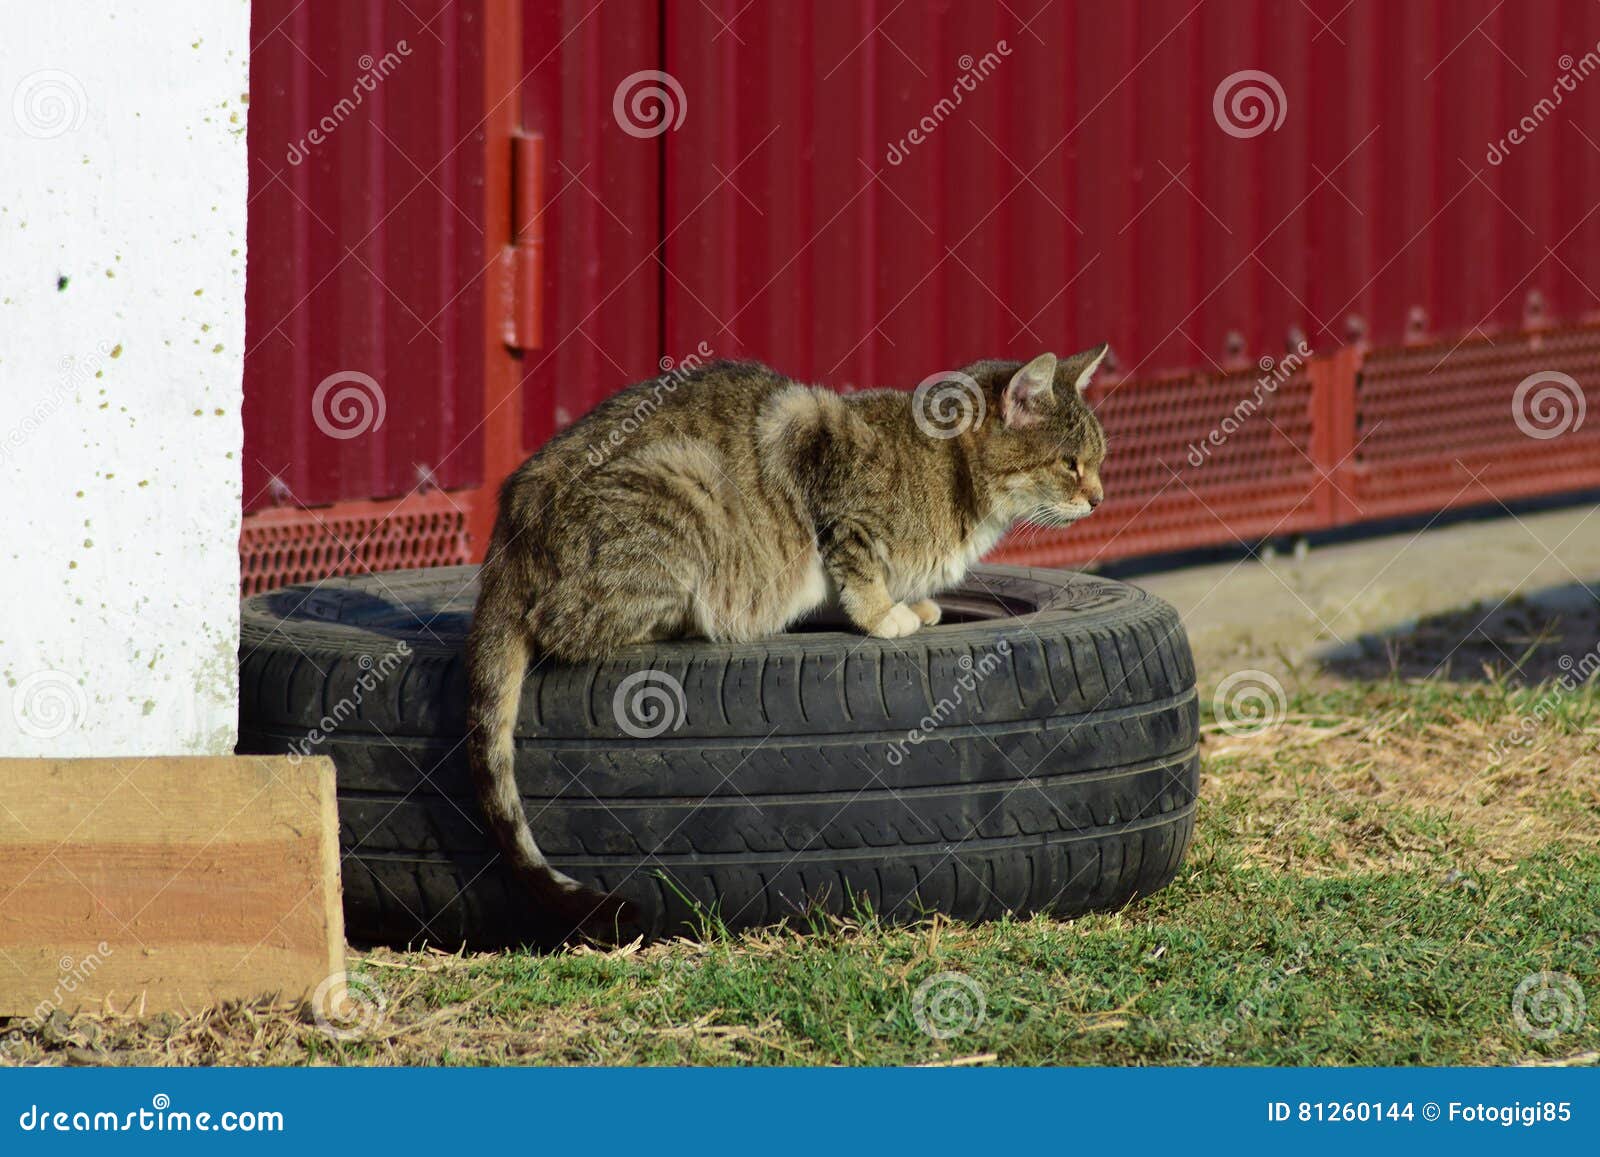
[(573, 208), (387, 391)]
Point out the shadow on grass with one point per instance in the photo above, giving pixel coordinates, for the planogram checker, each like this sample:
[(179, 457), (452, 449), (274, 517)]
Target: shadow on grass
[(1531, 638)]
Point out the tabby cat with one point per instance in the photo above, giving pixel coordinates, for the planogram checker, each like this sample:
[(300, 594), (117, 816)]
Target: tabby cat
[(729, 502)]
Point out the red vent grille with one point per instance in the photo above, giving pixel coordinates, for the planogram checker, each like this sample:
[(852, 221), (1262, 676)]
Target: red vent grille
[(1432, 419), (1194, 461), (277, 547)]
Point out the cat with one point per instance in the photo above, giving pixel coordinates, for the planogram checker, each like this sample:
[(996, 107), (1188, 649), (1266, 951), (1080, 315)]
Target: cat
[(732, 502)]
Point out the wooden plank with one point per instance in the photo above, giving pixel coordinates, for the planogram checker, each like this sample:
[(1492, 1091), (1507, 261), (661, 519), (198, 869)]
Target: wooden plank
[(166, 883)]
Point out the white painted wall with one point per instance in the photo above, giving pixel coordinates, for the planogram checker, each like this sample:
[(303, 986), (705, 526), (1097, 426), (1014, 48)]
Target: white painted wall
[(122, 234)]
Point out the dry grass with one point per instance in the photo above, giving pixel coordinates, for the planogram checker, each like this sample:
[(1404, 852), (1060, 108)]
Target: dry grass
[(409, 1027), (404, 1028), (1331, 780)]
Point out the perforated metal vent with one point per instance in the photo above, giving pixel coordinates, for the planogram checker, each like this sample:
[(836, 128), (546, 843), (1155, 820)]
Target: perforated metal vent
[(277, 547)]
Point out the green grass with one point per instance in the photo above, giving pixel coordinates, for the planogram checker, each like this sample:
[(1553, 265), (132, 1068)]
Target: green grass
[(1231, 964), (1368, 885)]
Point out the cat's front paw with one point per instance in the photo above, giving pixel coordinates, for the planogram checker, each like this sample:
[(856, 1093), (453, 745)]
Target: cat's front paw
[(927, 610), (900, 621)]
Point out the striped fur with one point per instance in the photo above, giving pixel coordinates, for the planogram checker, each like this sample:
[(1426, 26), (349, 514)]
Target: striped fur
[(729, 502)]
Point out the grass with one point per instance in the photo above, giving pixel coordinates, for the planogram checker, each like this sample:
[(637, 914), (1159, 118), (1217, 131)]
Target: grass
[(1372, 879)]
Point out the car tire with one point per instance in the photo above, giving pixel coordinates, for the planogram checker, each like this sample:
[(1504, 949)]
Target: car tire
[(1036, 751)]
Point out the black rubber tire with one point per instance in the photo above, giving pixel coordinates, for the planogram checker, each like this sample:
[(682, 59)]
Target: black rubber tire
[(1037, 751)]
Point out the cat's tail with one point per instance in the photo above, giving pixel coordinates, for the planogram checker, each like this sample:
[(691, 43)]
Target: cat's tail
[(498, 652)]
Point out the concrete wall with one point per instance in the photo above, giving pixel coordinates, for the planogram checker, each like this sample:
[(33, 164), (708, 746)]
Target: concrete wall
[(122, 233)]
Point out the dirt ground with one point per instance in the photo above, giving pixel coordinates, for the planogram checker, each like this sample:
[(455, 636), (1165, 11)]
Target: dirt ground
[(1344, 604)]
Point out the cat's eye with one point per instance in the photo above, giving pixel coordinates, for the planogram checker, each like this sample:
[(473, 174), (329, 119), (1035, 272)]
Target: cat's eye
[(1071, 464)]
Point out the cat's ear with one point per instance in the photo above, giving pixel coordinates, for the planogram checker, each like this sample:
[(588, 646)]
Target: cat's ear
[(1029, 393), (1082, 366)]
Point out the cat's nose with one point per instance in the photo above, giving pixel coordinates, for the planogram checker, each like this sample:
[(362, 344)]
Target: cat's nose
[(1095, 498)]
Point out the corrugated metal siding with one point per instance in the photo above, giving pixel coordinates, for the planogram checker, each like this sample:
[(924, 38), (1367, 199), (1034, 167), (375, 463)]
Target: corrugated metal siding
[(603, 208), (368, 255), (1084, 190)]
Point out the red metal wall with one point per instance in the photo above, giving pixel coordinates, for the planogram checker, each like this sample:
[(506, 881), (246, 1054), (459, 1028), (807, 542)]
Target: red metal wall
[(1083, 190), (366, 255), (602, 213)]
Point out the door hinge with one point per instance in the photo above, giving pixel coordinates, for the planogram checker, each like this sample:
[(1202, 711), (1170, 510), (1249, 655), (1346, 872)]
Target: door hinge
[(522, 261)]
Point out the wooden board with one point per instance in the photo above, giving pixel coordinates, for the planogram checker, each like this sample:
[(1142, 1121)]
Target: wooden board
[(166, 883)]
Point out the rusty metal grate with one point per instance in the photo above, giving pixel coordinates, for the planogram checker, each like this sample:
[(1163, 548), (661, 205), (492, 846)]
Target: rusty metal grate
[(277, 547)]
